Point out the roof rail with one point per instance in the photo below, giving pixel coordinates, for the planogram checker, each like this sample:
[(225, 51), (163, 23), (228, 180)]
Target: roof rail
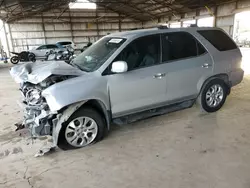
[(162, 27), (193, 25), (133, 29)]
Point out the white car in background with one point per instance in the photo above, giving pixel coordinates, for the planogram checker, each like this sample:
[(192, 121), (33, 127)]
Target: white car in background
[(67, 44), (41, 51)]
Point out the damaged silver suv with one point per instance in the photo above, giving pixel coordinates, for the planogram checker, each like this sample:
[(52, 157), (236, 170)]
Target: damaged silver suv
[(125, 77)]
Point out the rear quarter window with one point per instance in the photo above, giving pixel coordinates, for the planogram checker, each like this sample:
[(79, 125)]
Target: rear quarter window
[(51, 46), (218, 39)]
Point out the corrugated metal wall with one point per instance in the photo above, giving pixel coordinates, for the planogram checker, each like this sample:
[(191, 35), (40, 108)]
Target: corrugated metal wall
[(78, 26), (224, 15)]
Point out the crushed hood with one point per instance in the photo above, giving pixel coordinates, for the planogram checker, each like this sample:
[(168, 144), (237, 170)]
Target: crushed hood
[(39, 71)]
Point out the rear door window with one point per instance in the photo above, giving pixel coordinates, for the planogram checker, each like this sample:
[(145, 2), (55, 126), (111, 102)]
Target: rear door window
[(42, 47), (218, 39), (51, 46), (180, 45)]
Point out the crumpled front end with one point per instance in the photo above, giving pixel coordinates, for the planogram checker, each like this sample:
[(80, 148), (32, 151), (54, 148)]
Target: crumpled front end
[(34, 78), (37, 115)]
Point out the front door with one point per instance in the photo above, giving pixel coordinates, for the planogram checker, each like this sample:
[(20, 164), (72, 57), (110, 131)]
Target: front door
[(188, 65), (144, 85)]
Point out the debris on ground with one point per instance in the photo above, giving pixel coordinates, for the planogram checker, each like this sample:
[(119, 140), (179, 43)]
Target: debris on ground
[(45, 151), (19, 126)]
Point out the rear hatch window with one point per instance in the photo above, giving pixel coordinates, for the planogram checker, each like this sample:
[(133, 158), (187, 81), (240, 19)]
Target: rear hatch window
[(64, 43), (218, 39)]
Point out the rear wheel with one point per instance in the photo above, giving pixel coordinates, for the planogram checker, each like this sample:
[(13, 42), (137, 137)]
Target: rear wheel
[(83, 128), (14, 60), (213, 95)]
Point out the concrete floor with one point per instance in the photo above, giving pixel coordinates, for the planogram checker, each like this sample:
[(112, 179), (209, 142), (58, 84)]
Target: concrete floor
[(185, 149)]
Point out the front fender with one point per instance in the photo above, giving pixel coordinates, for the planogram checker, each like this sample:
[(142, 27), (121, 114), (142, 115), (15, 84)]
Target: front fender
[(76, 90), (61, 118)]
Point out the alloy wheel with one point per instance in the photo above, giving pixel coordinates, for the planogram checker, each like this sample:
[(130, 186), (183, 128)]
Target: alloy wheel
[(81, 131)]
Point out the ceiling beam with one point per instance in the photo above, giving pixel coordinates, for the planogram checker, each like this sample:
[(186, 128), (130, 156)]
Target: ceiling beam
[(139, 10), (107, 6), (44, 7)]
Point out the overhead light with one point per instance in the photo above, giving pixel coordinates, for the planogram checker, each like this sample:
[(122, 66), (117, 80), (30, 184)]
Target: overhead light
[(82, 4)]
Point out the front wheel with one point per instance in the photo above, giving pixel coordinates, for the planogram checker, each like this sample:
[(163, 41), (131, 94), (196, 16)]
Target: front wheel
[(84, 127), (32, 57), (213, 95), (14, 59)]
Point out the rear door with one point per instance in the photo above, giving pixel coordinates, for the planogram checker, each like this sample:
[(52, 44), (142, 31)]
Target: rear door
[(52, 47), (225, 52), (188, 65)]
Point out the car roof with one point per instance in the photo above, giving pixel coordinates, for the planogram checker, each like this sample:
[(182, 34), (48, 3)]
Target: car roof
[(58, 45), (143, 32), (67, 41), (48, 44)]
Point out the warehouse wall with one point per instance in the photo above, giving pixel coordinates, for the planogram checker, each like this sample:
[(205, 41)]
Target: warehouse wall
[(224, 15), (88, 26), (78, 26)]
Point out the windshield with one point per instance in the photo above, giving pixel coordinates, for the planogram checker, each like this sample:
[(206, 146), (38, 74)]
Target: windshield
[(96, 55)]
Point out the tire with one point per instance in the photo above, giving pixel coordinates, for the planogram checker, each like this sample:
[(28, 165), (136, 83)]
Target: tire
[(97, 134), (32, 57), (14, 60), (218, 97)]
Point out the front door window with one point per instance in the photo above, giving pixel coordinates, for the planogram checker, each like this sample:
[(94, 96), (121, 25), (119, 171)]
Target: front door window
[(142, 52)]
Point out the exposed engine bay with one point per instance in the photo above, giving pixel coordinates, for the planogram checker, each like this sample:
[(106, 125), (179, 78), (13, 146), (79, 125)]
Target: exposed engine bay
[(34, 78), (37, 115)]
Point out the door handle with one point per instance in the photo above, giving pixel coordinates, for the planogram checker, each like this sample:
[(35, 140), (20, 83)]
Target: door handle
[(206, 65), (159, 75)]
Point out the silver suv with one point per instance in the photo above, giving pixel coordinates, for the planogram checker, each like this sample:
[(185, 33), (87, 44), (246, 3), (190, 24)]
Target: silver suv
[(125, 77)]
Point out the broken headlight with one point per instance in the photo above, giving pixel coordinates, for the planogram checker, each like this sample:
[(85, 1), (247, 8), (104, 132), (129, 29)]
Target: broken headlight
[(34, 97)]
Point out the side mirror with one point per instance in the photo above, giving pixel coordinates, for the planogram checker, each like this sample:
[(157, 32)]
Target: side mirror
[(119, 67)]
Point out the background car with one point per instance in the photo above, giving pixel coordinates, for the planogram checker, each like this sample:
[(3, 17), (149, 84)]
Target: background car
[(41, 51), (66, 44)]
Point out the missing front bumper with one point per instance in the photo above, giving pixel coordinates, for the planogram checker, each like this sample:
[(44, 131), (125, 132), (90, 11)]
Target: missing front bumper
[(38, 119)]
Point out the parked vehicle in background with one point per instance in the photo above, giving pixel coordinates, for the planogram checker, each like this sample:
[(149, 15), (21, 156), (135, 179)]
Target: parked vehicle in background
[(243, 39), (243, 43), (66, 55), (67, 44), (125, 77), (41, 51), (22, 56)]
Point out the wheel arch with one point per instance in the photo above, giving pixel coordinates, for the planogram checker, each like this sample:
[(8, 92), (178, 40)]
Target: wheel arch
[(68, 111), (224, 77), (101, 109)]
